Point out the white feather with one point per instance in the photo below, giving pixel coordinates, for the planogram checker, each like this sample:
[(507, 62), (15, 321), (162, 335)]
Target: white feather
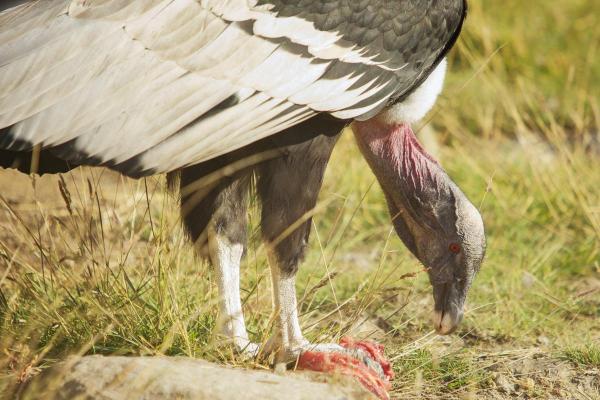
[(121, 79), (420, 102)]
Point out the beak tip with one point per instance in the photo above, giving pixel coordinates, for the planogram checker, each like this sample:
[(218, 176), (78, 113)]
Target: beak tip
[(445, 323)]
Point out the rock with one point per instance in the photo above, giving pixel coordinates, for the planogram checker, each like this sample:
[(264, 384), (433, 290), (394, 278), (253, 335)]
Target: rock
[(543, 340), (149, 378), (527, 384), (503, 384)]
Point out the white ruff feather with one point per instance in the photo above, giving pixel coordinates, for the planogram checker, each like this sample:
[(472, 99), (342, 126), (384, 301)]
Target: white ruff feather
[(420, 102)]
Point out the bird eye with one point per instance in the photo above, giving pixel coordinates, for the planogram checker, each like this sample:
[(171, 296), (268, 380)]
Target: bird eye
[(454, 248)]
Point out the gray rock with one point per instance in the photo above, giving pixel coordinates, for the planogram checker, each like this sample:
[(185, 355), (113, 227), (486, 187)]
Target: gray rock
[(150, 378), (504, 385)]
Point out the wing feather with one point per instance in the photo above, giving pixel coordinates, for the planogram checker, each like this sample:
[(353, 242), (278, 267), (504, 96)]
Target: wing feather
[(149, 86), (20, 41), (117, 10), (30, 89), (231, 129)]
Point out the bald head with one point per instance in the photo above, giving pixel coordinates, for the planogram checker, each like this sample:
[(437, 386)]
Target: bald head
[(432, 216)]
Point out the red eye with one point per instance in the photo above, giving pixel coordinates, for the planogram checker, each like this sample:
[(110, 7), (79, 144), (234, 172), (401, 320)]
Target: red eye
[(454, 247)]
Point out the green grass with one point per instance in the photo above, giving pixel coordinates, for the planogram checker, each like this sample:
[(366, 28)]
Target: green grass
[(584, 356), (451, 372), (112, 272)]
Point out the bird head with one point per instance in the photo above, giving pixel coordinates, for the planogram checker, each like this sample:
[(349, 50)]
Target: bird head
[(431, 215)]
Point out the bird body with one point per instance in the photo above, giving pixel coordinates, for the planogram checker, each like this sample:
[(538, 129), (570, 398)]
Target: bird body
[(218, 90), (200, 79)]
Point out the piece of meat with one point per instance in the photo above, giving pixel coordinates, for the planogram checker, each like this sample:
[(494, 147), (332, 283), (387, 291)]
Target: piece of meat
[(362, 360)]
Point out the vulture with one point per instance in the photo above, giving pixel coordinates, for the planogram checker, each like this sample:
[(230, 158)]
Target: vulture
[(221, 92)]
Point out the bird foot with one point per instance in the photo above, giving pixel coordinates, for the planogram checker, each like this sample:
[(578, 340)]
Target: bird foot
[(248, 349), (289, 353), (242, 347), (293, 352)]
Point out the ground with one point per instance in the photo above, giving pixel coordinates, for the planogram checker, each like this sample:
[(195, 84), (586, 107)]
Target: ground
[(94, 263)]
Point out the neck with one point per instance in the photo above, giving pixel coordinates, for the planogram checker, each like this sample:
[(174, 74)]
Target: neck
[(397, 158), (413, 181)]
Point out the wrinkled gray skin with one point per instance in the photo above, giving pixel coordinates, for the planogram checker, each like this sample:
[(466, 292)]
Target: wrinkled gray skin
[(432, 216)]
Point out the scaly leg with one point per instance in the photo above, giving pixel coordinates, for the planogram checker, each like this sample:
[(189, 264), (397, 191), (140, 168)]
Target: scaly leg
[(215, 217), (289, 187), (226, 257), (288, 334), (288, 341)]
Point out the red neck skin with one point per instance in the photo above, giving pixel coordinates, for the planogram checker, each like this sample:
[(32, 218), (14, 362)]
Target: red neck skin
[(421, 197), (397, 158)]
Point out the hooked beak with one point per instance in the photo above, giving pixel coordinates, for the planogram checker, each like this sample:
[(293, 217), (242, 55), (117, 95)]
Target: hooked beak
[(449, 301)]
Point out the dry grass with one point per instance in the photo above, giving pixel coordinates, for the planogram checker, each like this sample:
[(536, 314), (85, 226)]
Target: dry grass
[(104, 266)]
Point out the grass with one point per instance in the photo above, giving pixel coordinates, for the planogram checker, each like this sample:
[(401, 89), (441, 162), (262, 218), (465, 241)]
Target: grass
[(96, 264), (585, 356)]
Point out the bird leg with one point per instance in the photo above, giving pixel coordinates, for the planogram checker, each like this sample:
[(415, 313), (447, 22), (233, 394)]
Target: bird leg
[(288, 187), (362, 361), (215, 216), (287, 332), (288, 341), (226, 257)]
